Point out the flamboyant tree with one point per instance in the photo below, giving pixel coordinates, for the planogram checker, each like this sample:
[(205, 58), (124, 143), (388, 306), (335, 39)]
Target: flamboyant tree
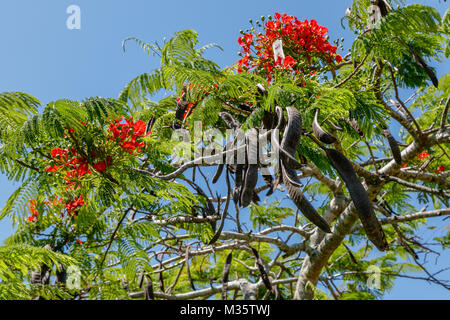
[(110, 208)]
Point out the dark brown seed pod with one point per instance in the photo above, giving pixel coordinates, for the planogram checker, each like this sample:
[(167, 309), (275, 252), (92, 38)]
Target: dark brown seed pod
[(224, 211), (268, 120), (268, 179), (291, 136), (291, 139), (301, 202), (335, 126), (354, 125), (393, 144), (225, 273), (148, 289), (238, 182), (218, 173), (61, 274), (150, 124), (251, 174), (262, 270), (321, 134), (359, 197), (229, 120), (210, 211), (179, 114), (280, 116)]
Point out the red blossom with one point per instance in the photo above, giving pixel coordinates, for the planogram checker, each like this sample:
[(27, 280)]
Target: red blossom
[(440, 169), (100, 166), (305, 41), (423, 155), (139, 128)]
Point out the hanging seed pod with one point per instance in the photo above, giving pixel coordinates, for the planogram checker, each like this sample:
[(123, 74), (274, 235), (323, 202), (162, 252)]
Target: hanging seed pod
[(224, 211), (238, 183), (150, 124), (291, 139), (268, 119), (148, 289), (359, 197), (262, 270), (179, 114), (335, 127), (251, 174), (279, 126), (225, 273), (61, 274), (301, 202), (280, 116), (354, 125), (229, 120), (268, 179), (218, 173), (231, 124), (255, 197), (321, 134), (393, 144)]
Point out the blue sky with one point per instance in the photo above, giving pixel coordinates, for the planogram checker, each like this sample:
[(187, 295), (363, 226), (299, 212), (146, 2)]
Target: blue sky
[(42, 57)]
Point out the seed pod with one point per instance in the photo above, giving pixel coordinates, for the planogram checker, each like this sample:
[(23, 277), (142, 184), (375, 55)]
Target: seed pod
[(229, 120), (394, 146), (279, 112), (359, 197), (301, 202), (268, 120), (150, 124), (321, 134), (255, 197), (148, 289), (218, 173), (278, 178), (291, 138), (354, 125), (61, 274), (224, 212), (335, 126), (225, 273), (238, 183), (251, 174), (179, 114), (268, 179), (262, 270)]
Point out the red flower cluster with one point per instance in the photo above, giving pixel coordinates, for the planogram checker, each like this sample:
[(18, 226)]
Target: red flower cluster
[(128, 134), (73, 205), (423, 155), (303, 43), (76, 164), (34, 212), (76, 167)]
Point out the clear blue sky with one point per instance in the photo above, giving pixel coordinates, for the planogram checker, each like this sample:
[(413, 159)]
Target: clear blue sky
[(42, 57)]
